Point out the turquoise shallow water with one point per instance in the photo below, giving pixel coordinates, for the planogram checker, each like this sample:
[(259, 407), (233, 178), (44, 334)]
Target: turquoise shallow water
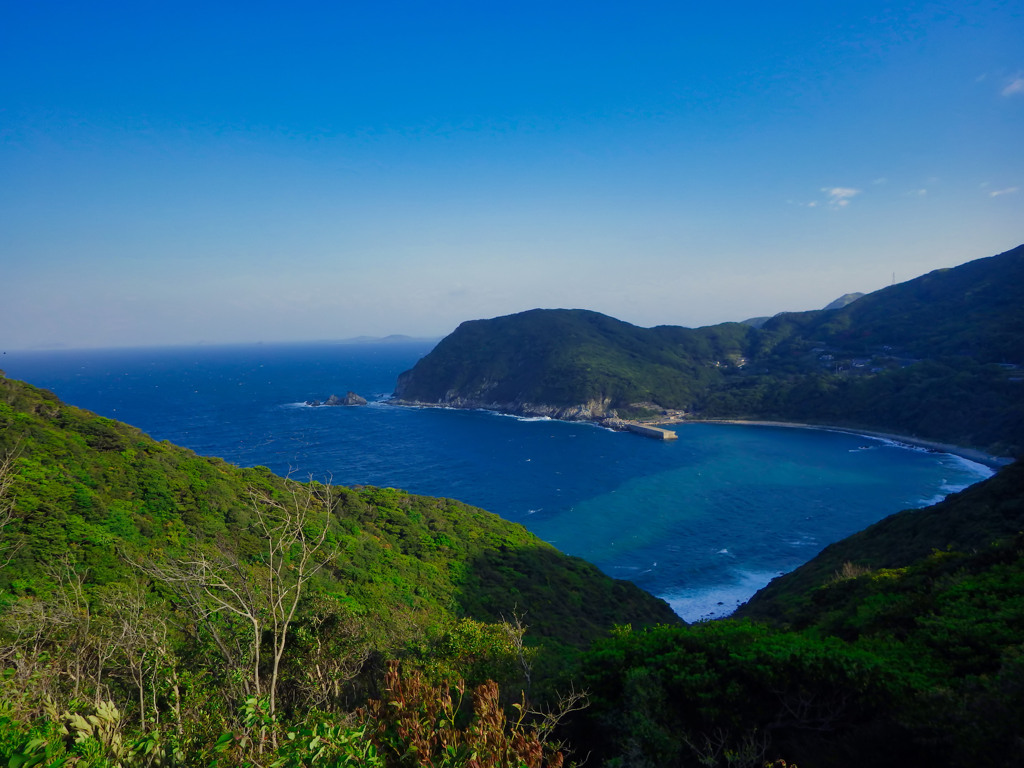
[(703, 521)]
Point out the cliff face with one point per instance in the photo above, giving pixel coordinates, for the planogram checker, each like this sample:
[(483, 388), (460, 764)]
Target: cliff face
[(592, 410)]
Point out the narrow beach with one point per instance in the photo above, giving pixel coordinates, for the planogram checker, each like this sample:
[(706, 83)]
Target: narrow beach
[(971, 454)]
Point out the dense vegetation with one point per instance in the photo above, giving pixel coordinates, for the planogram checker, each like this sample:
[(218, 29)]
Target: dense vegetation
[(564, 357), (203, 599), (938, 357)]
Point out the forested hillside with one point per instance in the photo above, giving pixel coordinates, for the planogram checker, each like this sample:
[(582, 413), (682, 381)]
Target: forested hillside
[(190, 592), (939, 357), (973, 310), (566, 359)]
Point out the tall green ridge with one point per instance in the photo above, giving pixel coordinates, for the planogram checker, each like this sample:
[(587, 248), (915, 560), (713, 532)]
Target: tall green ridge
[(940, 357)]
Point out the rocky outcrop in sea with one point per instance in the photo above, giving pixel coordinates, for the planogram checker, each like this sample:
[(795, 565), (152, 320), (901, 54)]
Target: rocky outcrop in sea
[(351, 398)]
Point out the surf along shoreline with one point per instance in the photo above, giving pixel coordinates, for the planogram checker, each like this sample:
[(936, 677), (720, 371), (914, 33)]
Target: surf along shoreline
[(971, 454)]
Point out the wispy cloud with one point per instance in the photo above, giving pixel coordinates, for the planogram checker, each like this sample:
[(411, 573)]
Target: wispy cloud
[(1015, 86), (1007, 191), (835, 197), (839, 197)]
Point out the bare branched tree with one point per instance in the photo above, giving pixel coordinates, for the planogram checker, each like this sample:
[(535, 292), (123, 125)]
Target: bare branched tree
[(142, 640), (262, 596), (294, 555), (214, 584), (57, 637), (720, 747), (546, 720), (87, 636)]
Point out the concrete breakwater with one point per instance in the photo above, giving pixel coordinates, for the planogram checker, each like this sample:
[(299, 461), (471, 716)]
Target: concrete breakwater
[(647, 430)]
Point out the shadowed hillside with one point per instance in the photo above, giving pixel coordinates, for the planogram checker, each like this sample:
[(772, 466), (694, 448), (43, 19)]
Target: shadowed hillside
[(898, 646)]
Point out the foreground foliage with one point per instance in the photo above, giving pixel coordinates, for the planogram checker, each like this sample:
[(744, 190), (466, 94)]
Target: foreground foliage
[(415, 724)]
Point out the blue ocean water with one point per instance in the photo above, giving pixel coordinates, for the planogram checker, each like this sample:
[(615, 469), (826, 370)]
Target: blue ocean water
[(703, 521)]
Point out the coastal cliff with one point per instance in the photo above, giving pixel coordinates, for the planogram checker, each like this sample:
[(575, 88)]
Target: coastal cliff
[(594, 410)]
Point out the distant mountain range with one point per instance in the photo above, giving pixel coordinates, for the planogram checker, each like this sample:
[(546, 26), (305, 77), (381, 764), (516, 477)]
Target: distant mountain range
[(938, 357), (394, 338)]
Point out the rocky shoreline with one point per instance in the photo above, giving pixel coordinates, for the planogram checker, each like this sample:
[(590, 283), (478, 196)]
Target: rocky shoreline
[(596, 411)]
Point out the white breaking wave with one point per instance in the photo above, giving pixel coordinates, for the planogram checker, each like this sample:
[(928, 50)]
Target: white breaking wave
[(974, 467), (720, 600), (980, 471), (515, 416), (898, 444)]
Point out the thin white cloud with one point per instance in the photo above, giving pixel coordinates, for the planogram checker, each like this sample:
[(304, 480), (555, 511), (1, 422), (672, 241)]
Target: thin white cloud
[(1007, 191), (839, 197), (1015, 86), (917, 193)]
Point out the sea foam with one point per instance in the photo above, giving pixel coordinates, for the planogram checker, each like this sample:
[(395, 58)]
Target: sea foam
[(720, 600)]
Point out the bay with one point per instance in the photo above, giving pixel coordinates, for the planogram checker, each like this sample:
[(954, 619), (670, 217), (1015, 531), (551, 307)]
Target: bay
[(703, 521)]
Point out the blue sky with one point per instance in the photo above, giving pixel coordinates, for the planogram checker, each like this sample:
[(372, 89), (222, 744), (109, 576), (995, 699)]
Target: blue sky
[(178, 173)]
